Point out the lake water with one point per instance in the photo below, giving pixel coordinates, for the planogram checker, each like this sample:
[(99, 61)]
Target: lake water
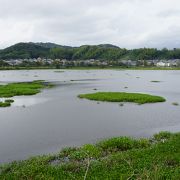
[(56, 118)]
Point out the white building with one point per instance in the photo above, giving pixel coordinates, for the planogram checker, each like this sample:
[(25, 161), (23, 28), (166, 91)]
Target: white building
[(163, 64)]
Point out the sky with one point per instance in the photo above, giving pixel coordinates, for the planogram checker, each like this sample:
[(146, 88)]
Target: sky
[(125, 23)]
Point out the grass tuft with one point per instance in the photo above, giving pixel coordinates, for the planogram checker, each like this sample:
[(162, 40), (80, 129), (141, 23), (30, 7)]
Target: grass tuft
[(164, 135)]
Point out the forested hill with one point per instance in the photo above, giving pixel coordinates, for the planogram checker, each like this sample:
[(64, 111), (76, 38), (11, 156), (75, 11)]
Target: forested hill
[(103, 51)]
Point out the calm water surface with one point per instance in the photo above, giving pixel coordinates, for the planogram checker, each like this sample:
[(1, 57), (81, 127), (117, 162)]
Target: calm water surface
[(56, 118)]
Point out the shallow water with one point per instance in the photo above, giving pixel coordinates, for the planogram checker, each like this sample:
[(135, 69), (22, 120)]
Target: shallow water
[(55, 118)]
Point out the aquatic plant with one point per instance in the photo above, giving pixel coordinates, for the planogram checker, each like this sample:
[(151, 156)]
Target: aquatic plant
[(123, 97), (22, 88), (6, 103), (155, 81)]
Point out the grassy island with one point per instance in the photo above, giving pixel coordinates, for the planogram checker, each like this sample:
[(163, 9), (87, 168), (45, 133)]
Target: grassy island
[(22, 88), (116, 158), (19, 89), (123, 97)]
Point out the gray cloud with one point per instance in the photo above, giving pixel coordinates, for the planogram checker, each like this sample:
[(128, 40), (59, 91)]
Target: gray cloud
[(126, 23)]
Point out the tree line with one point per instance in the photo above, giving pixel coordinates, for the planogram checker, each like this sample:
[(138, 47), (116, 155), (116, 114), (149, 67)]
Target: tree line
[(101, 52)]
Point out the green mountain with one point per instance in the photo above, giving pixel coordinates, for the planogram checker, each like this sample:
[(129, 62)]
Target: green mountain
[(51, 45), (101, 52), (107, 46), (24, 50)]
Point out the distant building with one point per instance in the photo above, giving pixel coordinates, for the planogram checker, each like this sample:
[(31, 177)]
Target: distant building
[(162, 64)]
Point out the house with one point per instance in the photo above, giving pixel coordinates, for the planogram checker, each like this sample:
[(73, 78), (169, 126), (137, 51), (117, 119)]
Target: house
[(161, 64)]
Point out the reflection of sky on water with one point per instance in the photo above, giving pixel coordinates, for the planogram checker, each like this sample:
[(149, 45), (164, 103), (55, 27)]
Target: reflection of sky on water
[(28, 101)]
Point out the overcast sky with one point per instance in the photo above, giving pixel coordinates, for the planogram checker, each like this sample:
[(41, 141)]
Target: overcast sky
[(126, 23)]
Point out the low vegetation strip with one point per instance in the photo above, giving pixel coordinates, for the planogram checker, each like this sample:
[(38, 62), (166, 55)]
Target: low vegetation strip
[(123, 97), (116, 158), (22, 88)]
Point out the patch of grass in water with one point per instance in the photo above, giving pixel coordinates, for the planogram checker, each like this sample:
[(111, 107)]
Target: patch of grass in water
[(115, 158), (175, 103), (123, 97), (6, 103), (9, 100), (22, 88), (156, 81)]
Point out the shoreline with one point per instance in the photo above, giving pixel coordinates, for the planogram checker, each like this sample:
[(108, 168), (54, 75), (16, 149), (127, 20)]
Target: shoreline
[(89, 68)]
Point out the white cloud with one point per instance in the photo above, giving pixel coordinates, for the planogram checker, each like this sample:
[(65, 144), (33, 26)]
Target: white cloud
[(126, 23)]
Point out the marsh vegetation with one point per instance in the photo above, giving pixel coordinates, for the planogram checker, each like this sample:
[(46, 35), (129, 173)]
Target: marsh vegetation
[(115, 158), (22, 88), (123, 97), (19, 89), (155, 81)]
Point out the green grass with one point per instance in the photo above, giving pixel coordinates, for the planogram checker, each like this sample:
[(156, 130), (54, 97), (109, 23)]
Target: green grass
[(154, 81), (116, 158), (6, 103), (123, 97), (23, 88), (9, 100)]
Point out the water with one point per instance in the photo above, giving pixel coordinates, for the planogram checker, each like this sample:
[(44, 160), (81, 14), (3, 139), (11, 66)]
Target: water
[(56, 118)]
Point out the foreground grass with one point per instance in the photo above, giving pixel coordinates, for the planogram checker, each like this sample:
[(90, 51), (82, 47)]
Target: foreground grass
[(123, 97), (116, 158), (23, 88)]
